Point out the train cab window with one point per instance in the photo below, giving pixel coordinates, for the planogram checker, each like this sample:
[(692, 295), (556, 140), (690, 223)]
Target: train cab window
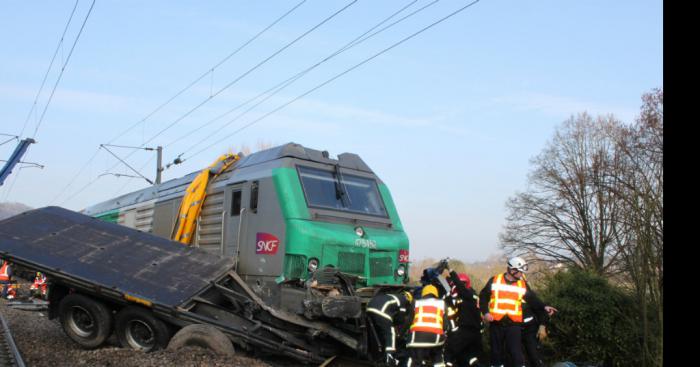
[(236, 203), (342, 192), (254, 197)]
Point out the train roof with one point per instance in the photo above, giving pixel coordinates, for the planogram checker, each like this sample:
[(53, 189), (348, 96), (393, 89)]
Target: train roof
[(284, 154)]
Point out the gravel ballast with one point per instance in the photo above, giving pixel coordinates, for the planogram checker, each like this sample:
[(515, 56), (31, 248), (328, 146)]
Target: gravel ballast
[(42, 342)]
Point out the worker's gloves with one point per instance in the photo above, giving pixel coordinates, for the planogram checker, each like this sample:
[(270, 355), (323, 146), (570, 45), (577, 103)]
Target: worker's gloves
[(542, 333)]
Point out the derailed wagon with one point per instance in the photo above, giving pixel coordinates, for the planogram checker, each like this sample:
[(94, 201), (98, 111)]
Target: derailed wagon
[(301, 241), (108, 278)]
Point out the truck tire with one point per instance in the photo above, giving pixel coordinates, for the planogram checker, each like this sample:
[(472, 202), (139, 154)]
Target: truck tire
[(86, 321), (137, 328), (204, 336)]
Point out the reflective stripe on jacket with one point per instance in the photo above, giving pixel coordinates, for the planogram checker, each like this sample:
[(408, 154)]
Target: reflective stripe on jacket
[(506, 299), (429, 316), (387, 309)]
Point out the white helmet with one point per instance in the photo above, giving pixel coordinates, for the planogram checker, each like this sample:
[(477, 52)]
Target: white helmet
[(518, 264)]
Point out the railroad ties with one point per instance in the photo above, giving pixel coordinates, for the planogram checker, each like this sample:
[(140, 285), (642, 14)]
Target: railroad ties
[(9, 354)]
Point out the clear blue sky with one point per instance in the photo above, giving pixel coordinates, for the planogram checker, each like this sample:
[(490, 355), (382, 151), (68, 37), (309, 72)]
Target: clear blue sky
[(448, 119)]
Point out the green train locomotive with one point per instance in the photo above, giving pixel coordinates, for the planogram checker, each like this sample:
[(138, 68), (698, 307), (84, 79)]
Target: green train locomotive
[(284, 214)]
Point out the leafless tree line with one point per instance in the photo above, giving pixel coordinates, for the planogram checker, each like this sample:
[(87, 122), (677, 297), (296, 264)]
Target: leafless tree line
[(595, 201)]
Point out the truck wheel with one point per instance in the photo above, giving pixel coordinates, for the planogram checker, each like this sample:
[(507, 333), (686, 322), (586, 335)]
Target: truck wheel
[(139, 329), (204, 336), (86, 321)]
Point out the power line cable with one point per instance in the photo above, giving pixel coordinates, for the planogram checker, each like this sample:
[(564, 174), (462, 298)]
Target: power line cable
[(230, 84), (13, 137), (80, 190), (209, 71), (245, 74), (103, 146), (60, 75), (338, 76), (53, 91), (279, 87), (249, 71), (80, 172), (53, 58), (167, 102), (121, 189)]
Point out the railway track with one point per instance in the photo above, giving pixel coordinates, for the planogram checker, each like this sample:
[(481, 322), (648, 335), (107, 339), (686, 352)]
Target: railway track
[(9, 354)]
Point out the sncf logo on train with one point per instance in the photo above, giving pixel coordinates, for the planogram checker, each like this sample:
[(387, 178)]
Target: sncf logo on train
[(266, 244), (403, 256)]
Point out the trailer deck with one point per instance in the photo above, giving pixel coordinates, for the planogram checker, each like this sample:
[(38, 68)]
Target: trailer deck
[(66, 244), (179, 284)]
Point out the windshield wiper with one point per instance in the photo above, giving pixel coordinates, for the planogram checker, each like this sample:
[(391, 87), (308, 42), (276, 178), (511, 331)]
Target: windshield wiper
[(340, 193)]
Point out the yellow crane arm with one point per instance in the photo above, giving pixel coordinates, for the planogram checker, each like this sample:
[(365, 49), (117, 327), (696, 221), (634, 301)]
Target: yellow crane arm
[(196, 193)]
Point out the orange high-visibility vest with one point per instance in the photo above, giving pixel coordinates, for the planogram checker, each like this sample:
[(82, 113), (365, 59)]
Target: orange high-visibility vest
[(429, 316), (507, 299), (3, 272)]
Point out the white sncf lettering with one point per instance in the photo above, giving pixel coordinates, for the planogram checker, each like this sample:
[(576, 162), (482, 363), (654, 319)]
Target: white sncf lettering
[(267, 246)]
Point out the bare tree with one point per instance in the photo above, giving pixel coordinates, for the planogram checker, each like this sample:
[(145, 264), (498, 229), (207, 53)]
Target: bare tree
[(567, 215), (595, 201), (639, 185)]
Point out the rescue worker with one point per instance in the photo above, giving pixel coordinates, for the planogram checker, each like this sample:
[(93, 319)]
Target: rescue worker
[(39, 287), (6, 279), (463, 345), (390, 314), (428, 330), (501, 300)]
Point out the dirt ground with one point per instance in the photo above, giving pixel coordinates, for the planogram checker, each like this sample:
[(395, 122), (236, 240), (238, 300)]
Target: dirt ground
[(43, 343)]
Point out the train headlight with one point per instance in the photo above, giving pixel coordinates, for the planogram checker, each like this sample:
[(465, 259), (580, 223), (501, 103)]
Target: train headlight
[(313, 265), (401, 271), (359, 231)]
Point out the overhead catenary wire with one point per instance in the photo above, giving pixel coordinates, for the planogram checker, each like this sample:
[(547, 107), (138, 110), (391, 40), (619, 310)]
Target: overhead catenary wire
[(58, 80), (208, 72), (167, 102), (12, 137), (273, 55), (63, 68), (121, 189), (459, 10), (337, 76), (284, 84), (46, 75), (75, 176)]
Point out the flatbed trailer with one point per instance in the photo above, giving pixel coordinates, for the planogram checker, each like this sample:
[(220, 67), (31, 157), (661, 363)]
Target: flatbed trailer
[(105, 277)]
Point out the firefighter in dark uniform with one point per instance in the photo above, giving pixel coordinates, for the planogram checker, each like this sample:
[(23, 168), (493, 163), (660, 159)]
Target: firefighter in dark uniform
[(463, 345), (428, 330), (390, 314), (501, 301)]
